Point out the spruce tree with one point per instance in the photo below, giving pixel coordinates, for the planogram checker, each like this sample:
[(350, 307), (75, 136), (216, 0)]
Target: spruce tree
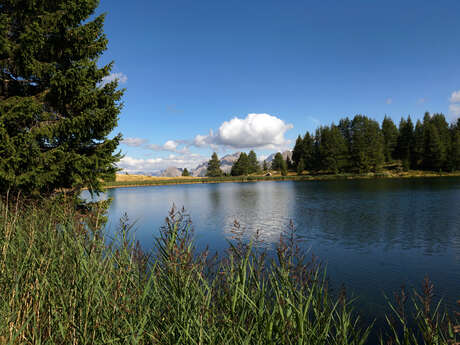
[(435, 153), (417, 159), (439, 121), (55, 113), (345, 129), (367, 144), (300, 167), (278, 161), (390, 138), (297, 151), (244, 164), (185, 172), (253, 163), (332, 149), (236, 168), (405, 146), (214, 166), (454, 153), (265, 166), (315, 162), (241, 166), (308, 150), (284, 167)]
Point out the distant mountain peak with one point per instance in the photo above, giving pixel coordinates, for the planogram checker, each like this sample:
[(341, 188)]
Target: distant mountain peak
[(227, 161), (285, 154), (231, 158), (171, 172)]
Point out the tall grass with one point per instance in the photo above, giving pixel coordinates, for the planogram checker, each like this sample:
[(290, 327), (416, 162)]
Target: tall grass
[(428, 324), (62, 281)]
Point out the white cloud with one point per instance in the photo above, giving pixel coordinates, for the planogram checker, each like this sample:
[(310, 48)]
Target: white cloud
[(169, 145), (454, 107), (134, 142), (204, 140), (454, 110), (389, 101), (122, 78), (153, 165), (254, 131), (455, 97)]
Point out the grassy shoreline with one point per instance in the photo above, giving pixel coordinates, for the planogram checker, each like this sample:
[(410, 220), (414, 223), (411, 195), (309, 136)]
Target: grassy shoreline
[(62, 281), (141, 180)]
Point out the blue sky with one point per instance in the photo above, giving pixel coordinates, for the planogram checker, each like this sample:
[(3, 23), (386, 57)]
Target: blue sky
[(194, 67)]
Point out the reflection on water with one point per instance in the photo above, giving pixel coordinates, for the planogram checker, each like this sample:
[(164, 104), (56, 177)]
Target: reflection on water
[(374, 235), (259, 208)]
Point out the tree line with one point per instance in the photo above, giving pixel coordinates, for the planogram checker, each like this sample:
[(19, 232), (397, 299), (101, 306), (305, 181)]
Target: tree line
[(245, 164), (362, 145)]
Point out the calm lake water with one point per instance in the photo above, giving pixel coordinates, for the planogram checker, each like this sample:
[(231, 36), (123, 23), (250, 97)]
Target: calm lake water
[(373, 235)]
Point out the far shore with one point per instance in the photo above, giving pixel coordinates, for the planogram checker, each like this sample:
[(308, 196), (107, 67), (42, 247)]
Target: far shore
[(123, 180)]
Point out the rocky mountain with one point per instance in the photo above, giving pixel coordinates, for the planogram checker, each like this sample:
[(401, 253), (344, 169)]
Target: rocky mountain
[(200, 170), (285, 154), (171, 172), (226, 163)]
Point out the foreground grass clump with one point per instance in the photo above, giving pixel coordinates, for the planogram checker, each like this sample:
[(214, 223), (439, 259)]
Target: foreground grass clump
[(63, 282)]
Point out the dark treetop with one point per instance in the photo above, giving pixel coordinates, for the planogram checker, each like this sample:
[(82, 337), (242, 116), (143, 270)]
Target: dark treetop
[(214, 166), (361, 145), (55, 112)]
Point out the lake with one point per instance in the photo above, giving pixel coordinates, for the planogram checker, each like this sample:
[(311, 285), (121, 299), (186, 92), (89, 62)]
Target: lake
[(374, 236)]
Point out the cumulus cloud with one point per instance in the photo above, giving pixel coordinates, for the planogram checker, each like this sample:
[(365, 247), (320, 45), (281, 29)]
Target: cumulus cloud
[(133, 165), (122, 78), (134, 142), (202, 140), (170, 145), (455, 97), (454, 109), (389, 101), (254, 131)]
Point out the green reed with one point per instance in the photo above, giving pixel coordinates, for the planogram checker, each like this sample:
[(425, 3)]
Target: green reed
[(63, 281)]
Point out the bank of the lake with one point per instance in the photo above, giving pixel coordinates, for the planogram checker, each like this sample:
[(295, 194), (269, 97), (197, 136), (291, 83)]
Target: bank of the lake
[(66, 281), (142, 180)]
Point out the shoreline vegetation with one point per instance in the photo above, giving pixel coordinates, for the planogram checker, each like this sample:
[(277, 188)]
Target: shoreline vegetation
[(64, 281), (122, 180)]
